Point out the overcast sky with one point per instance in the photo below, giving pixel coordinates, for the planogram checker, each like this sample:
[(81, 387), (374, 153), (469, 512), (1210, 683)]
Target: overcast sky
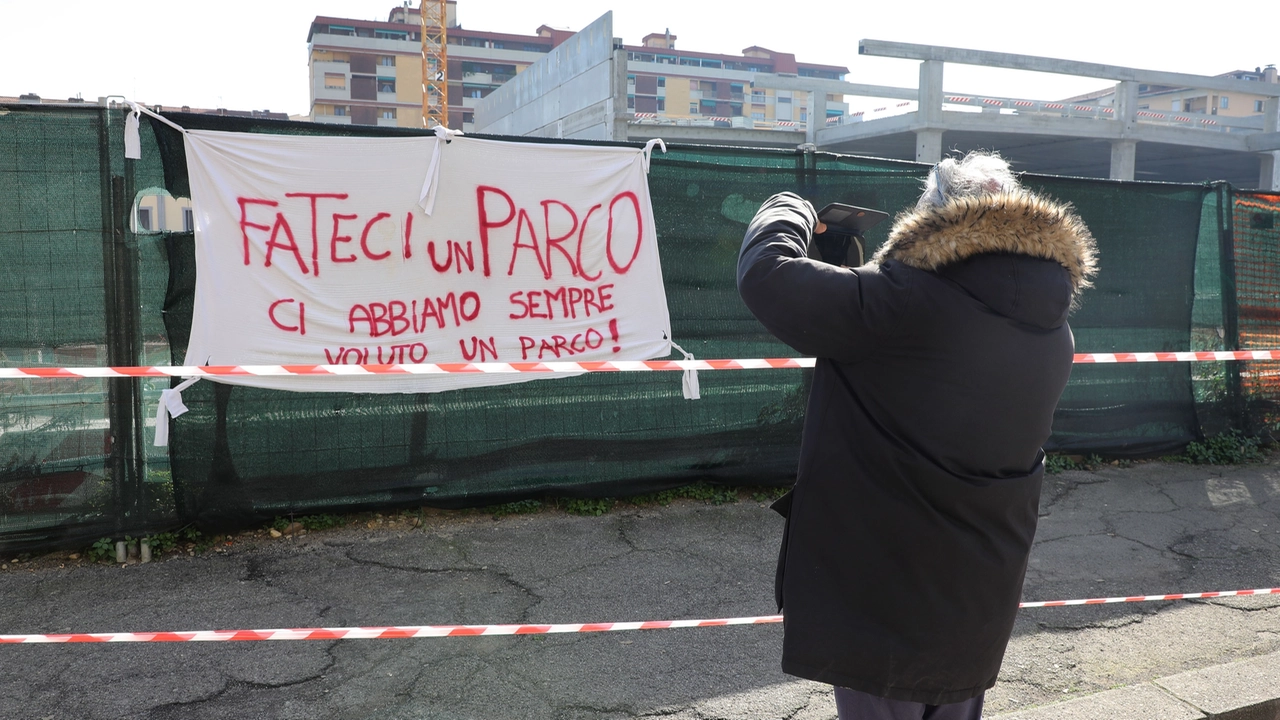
[(253, 55)]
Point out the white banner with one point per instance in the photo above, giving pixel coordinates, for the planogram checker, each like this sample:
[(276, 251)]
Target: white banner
[(338, 250)]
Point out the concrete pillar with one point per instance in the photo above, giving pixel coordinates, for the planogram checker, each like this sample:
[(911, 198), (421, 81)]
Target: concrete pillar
[(930, 97), (929, 139), (617, 128), (1124, 155), (1269, 178), (813, 123), (928, 146), (1126, 106)]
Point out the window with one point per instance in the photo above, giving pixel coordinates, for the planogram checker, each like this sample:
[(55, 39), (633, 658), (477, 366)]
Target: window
[(693, 108), (188, 220), (757, 97), (335, 81), (804, 116), (1224, 102), (388, 114), (662, 105), (341, 30), (474, 93), (387, 61), (1257, 106), (757, 116), (662, 81), (387, 85), (498, 45), (144, 219), (391, 34), (631, 102), (784, 100), (340, 110)]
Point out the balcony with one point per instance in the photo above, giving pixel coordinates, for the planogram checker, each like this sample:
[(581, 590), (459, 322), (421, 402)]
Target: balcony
[(364, 44), (476, 78), (322, 93), (334, 119)]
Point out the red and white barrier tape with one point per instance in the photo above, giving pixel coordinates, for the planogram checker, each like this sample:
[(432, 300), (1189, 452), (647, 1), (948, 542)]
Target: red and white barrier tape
[(432, 631), (1151, 598), (553, 367)]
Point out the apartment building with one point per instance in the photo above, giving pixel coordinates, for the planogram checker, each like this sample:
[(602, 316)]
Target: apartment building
[(663, 82), (1188, 100), (370, 73)]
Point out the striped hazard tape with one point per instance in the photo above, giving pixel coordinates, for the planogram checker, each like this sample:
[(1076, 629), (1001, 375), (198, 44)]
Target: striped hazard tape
[(434, 631), (554, 367)]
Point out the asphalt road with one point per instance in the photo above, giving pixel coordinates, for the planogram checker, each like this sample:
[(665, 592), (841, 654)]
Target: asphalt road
[(1152, 528)]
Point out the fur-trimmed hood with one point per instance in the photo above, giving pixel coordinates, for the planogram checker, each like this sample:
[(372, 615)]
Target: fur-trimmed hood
[(1017, 223)]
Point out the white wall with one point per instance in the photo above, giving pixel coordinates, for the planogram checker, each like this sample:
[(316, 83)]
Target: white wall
[(570, 93)]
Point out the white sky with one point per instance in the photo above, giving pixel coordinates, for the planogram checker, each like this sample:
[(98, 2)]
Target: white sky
[(248, 55)]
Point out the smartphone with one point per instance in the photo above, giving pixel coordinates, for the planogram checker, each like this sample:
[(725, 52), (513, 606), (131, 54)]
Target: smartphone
[(850, 219), (845, 226)]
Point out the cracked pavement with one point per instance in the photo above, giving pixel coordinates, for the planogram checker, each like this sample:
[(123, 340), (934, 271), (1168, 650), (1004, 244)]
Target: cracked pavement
[(1148, 529)]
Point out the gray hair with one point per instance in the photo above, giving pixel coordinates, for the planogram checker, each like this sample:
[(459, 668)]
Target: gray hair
[(978, 173)]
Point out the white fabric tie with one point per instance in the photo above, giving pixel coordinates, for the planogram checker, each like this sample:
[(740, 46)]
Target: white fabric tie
[(648, 155), (689, 381), (170, 405), (132, 141), (427, 200)]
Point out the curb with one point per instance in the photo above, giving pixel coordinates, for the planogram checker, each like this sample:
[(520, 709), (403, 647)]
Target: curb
[(1242, 690)]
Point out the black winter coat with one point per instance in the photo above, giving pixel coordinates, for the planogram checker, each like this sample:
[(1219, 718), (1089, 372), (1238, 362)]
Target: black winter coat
[(939, 367)]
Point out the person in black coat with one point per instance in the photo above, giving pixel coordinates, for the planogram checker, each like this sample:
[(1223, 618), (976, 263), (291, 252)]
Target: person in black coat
[(939, 367)]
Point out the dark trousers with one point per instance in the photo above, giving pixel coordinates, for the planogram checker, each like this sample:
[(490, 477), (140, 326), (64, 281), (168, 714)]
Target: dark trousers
[(854, 705)]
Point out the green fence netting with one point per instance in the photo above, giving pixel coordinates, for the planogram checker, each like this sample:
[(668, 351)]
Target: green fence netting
[(79, 287)]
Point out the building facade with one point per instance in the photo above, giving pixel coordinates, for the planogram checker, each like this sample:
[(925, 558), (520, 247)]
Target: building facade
[(1194, 101), (370, 73)]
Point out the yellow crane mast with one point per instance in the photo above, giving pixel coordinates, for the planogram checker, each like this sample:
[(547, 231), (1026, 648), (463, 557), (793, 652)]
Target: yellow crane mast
[(435, 64)]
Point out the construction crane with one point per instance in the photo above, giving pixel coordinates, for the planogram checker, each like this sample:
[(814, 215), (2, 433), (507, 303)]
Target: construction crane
[(435, 63)]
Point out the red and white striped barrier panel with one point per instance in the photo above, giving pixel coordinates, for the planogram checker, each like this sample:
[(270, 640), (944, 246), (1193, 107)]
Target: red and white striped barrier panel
[(553, 368), (1055, 106), (1145, 113), (788, 123), (433, 631), (992, 101), (717, 118), (645, 115), (1024, 103), (958, 99)]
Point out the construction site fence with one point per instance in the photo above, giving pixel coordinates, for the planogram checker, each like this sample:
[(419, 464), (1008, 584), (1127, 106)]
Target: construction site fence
[(84, 283)]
